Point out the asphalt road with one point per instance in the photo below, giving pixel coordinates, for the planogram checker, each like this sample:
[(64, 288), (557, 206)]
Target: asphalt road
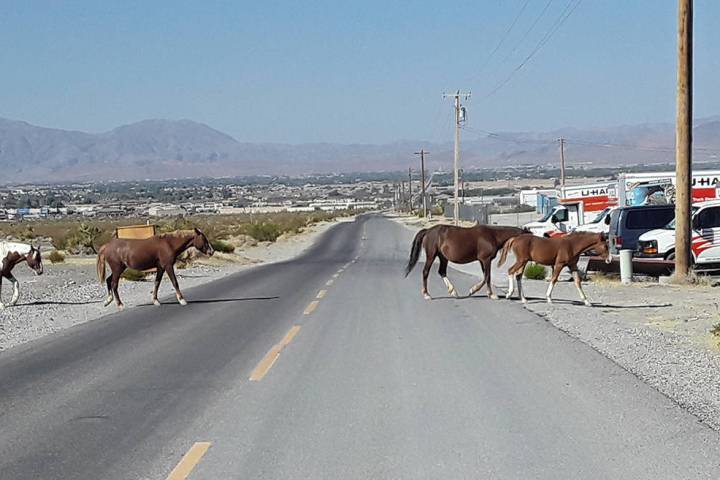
[(371, 381)]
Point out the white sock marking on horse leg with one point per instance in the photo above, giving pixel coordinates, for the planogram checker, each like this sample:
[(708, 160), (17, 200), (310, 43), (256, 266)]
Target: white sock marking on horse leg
[(511, 286), (520, 289), (450, 287), (16, 292), (578, 285), (548, 294)]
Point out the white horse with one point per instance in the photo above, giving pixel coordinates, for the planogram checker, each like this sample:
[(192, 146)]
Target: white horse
[(12, 253)]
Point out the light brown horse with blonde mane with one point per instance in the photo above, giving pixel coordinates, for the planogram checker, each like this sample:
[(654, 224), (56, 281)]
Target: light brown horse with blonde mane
[(159, 252), (558, 252)]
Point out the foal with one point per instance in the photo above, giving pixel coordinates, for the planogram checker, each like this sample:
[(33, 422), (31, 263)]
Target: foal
[(460, 245), (10, 255), (159, 252), (557, 252)]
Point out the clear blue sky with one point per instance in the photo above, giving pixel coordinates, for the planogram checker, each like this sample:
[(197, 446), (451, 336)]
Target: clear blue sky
[(335, 71)]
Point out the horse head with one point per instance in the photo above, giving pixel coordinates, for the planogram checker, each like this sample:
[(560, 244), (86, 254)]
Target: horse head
[(602, 249), (202, 243), (34, 260)]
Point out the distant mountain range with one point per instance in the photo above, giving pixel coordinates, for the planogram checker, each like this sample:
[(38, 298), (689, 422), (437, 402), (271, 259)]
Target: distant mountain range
[(161, 149)]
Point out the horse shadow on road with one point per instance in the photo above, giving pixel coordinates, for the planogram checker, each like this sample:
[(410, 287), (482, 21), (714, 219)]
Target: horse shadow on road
[(216, 300), (51, 302), (561, 301)]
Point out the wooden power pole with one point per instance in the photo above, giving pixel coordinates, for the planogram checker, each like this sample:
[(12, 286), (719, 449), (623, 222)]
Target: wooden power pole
[(562, 163), (410, 189), (683, 141), (422, 154), (456, 163)]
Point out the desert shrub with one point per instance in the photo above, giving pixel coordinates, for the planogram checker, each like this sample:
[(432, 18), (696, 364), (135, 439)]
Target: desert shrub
[(56, 257), (534, 271), (133, 275), (222, 246), (264, 231)]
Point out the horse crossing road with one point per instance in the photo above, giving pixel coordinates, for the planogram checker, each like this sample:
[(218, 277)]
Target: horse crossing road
[(372, 381)]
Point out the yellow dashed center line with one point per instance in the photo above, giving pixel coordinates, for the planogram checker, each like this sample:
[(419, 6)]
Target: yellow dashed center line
[(188, 462), (321, 293), (336, 275), (272, 355), (329, 282), (311, 307)]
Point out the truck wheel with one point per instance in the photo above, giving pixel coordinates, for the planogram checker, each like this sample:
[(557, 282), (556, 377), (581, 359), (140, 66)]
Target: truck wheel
[(670, 256)]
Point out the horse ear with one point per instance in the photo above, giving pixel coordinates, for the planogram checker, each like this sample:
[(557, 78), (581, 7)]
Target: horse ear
[(197, 231)]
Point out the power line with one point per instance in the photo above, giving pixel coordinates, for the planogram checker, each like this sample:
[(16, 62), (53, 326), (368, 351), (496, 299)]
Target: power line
[(564, 15), (503, 38), (528, 31)]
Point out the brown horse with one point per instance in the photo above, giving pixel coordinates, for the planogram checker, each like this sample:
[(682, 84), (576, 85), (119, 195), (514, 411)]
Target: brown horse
[(558, 252), (11, 254), (158, 252), (460, 245)]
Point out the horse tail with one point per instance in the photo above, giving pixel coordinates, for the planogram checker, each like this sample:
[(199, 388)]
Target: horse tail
[(101, 265), (415, 251), (506, 248)]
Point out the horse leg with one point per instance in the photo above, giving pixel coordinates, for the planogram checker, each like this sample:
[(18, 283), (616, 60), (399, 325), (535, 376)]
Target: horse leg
[(553, 280), (487, 271), (109, 298), (511, 273), (429, 259), (114, 282), (16, 290), (578, 285), (158, 276), (2, 305), (478, 285), (518, 279), (443, 273), (171, 273)]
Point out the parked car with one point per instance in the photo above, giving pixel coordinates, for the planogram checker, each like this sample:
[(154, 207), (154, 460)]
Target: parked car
[(660, 243), (627, 224)]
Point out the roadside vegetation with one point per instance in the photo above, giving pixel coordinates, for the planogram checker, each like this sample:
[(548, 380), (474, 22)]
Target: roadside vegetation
[(534, 271), (56, 257)]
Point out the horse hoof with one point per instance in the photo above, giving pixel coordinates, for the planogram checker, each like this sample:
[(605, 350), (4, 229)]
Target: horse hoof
[(588, 304), (549, 301), (156, 302), (121, 307), (524, 301), (427, 296), (107, 302), (493, 297), (182, 302)]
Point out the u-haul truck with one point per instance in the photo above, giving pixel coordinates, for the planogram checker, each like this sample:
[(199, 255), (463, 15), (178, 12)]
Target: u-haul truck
[(579, 204), (642, 188)]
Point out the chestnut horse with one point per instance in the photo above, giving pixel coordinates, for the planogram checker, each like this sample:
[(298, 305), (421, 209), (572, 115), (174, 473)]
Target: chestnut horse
[(10, 255), (159, 252), (460, 245), (558, 252)]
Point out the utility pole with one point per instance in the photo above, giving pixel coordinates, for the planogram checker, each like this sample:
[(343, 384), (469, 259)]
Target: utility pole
[(422, 154), (562, 163), (409, 189), (683, 141), (456, 164), (402, 197)]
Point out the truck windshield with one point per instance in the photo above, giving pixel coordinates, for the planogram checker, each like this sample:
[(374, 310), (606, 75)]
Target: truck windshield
[(547, 216), (600, 216), (671, 225)]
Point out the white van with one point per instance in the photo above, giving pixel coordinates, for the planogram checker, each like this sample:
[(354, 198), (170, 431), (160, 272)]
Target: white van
[(660, 243), (599, 224)]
